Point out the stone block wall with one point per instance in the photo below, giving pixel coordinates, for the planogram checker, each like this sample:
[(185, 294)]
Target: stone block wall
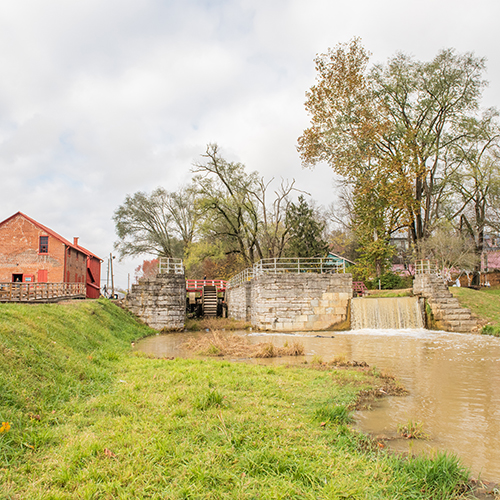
[(291, 302), (160, 302), (239, 301)]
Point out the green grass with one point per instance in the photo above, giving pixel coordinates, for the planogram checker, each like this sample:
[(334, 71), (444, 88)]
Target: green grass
[(484, 304), (91, 420)]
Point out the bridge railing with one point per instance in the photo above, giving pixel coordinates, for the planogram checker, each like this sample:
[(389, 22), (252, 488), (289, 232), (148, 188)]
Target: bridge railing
[(199, 284), (170, 266), (24, 292), (294, 265)]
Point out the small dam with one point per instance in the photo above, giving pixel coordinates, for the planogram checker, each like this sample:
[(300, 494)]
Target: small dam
[(387, 313)]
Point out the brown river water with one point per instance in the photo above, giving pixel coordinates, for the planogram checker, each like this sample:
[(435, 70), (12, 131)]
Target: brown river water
[(453, 379)]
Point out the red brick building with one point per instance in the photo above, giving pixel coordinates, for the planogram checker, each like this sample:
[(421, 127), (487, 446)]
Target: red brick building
[(31, 252)]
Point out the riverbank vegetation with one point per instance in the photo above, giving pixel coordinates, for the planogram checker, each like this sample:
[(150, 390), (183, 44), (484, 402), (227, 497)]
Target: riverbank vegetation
[(89, 418)]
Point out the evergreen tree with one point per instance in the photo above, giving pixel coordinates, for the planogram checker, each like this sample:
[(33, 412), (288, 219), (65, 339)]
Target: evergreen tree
[(305, 231)]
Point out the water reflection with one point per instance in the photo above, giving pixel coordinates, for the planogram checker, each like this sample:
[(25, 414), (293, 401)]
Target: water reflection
[(453, 381)]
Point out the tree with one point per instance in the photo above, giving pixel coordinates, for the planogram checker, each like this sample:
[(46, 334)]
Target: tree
[(148, 269), (449, 249), (391, 126), (305, 231), (235, 208), (475, 182), (159, 223)]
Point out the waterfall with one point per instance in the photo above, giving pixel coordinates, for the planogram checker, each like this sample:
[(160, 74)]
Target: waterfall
[(390, 312)]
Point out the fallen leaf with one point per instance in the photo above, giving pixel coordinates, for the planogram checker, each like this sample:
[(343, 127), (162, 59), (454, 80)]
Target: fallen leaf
[(109, 453)]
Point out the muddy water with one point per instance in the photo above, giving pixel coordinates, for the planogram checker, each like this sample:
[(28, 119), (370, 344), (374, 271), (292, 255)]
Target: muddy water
[(453, 379)]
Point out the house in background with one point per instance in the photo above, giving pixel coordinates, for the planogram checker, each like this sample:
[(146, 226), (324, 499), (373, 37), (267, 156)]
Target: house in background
[(31, 252), (339, 261)]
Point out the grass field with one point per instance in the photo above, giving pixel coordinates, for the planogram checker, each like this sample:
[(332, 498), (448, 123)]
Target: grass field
[(484, 304), (91, 420)]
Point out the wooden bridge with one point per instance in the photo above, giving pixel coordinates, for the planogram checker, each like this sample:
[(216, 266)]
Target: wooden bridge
[(41, 292)]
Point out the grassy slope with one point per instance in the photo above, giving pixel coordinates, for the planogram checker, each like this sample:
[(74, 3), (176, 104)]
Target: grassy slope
[(91, 420), (484, 303)]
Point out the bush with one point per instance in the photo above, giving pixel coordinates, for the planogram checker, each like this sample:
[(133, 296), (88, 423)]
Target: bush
[(390, 281)]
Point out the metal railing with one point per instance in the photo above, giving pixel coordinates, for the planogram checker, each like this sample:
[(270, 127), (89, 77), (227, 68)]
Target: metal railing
[(426, 267), (299, 265), (240, 278), (283, 265), (23, 292), (170, 266)]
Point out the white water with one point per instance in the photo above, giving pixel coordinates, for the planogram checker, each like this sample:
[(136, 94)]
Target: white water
[(386, 313)]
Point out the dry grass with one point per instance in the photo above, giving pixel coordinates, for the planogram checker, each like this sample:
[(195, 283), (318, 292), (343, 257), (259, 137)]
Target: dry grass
[(217, 344), (200, 324)]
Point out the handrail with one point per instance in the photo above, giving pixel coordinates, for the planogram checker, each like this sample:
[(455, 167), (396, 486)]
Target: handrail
[(426, 266), (240, 278), (297, 265), (20, 292), (199, 284), (167, 265)]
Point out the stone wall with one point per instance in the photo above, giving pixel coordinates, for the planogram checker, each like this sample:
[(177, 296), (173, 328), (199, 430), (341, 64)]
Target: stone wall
[(447, 313), (239, 301), (160, 302), (291, 302)]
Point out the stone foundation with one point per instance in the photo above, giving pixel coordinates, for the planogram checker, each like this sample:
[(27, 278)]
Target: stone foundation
[(160, 302)]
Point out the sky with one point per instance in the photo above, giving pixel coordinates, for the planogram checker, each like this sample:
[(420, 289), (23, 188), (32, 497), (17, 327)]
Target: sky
[(104, 98)]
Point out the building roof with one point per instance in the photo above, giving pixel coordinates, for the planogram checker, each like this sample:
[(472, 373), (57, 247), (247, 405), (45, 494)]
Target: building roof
[(52, 233), (339, 257)]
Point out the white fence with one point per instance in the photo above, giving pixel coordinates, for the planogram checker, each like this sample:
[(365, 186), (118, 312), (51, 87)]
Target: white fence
[(170, 266), (426, 267), (294, 265)]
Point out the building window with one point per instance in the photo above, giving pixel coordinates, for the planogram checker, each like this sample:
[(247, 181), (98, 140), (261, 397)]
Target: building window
[(44, 244)]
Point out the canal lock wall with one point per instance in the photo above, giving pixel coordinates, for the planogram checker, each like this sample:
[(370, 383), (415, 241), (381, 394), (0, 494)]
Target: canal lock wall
[(160, 302), (292, 302)]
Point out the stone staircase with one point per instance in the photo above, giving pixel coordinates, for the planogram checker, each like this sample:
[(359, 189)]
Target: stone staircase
[(446, 311)]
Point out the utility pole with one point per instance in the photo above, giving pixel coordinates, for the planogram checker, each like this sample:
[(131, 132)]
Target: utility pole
[(128, 283), (112, 276)]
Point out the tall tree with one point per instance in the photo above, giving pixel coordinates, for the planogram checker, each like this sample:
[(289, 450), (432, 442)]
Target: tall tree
[(229, 208), (475, 181), (391, 125), (159, 223), (237, 210), (306, 237)]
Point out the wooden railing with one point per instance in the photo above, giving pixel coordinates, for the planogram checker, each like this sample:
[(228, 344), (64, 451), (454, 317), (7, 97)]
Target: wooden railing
[(197, 285), (24, 292)]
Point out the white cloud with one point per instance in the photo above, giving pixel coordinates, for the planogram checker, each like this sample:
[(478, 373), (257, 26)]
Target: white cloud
[(100, 99)]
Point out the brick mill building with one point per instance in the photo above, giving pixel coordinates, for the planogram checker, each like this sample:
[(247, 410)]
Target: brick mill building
[(31, 252)]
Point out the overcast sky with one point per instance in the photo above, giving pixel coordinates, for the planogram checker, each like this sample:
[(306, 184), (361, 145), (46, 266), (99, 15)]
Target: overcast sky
[(103, 98)]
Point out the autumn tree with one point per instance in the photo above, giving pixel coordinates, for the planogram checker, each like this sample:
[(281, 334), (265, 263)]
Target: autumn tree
[(390, 127), (148, 269)]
